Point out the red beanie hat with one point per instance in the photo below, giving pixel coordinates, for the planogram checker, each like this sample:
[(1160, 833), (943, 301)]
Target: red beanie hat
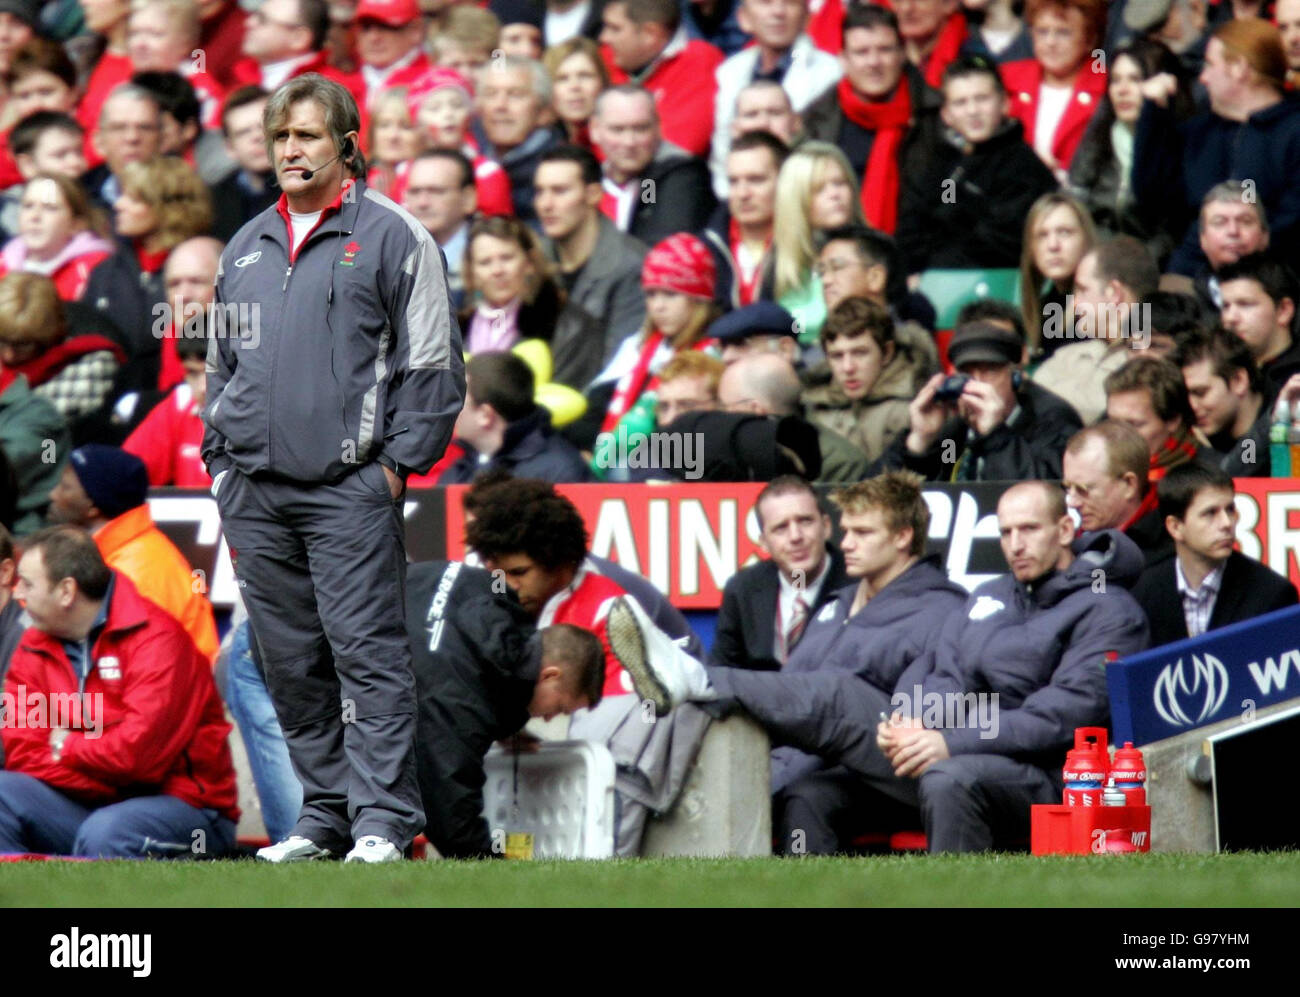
[(432, 80), (681, 263)]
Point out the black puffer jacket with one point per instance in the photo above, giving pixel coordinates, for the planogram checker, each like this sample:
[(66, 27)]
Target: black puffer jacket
[(967, 208)]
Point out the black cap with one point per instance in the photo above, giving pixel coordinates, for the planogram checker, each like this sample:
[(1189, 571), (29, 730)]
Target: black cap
[(985, 342), (518, 12), (27, 11), (766, 318)]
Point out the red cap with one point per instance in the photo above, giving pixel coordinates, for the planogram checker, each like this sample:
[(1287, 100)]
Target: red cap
[(394, 13)]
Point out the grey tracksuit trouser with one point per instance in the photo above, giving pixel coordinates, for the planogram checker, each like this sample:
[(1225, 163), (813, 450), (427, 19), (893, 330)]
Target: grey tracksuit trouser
[(322, 570), (967, 802)]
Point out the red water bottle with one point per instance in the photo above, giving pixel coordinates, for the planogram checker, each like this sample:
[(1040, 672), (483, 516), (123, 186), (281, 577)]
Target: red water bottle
[(1086, 765), (1129, 770)]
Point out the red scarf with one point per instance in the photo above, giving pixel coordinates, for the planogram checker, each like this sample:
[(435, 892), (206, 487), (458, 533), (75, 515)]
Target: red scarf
[(1149, 504), (639, 379), (632, 384), (746, 289), (889, 120), (1178, 448), (951, 37), (48, 364)]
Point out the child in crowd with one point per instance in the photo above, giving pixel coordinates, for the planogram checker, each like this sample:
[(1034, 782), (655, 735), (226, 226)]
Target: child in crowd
[(440, 104), (678, 279)]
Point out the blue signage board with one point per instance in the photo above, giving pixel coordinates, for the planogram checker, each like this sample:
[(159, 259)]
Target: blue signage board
[(1226, 673)]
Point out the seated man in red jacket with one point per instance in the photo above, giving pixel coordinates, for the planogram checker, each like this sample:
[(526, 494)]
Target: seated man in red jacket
[(114, 735)]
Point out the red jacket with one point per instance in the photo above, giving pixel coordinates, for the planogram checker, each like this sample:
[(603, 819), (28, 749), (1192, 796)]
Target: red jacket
[(1023, 79), (109, 71), (826, 24), (248, 71), (396, 78), (221, 37), (212, 98), (169, 441), (9, 175), (684, 87), (161, 728)]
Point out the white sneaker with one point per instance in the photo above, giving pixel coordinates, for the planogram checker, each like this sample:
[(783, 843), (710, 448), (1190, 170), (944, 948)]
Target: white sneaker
[(294, 848), (662, 673), (373, 848)]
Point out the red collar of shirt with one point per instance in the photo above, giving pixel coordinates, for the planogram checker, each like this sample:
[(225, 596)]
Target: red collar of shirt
[(282, 206)]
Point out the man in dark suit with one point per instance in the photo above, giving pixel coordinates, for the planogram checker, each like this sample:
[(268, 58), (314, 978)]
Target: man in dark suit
[(766, 606), (1207, 584), (652, 187)]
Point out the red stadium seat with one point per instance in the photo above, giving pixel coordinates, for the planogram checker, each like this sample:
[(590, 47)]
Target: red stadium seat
[(942, 338), (908, 841)]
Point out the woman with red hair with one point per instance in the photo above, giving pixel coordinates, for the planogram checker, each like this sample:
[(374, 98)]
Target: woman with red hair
[(1055, 94)]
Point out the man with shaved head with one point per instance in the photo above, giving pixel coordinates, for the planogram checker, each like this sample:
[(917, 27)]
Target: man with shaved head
[(766, 384), (979, 723)]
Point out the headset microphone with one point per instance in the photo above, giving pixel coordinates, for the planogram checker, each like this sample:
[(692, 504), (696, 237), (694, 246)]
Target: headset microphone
[(345, 151)]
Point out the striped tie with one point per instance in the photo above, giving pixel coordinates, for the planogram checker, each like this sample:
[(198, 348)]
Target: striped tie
[(798, 620)]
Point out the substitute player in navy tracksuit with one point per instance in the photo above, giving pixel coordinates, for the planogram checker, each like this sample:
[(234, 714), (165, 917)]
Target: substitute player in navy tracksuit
[(1039, 639)]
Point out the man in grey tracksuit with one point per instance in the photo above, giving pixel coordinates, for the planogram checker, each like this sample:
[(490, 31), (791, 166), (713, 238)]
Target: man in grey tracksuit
[(336, 372), (981, 721)]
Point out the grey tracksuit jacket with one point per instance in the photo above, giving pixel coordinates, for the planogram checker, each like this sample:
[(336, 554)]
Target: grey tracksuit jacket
[(347, 353)]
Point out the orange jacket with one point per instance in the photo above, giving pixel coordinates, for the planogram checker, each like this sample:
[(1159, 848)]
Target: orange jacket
[(134, 546)]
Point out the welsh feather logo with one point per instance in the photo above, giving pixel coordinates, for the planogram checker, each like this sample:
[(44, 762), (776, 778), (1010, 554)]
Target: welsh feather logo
[(350, 255), (1176, 699)]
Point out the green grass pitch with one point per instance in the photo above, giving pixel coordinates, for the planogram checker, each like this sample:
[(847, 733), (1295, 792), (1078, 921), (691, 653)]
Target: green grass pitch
[(1238, 880)]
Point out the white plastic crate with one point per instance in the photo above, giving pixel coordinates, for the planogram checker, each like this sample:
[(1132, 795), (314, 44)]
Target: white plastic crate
[(566, 798)]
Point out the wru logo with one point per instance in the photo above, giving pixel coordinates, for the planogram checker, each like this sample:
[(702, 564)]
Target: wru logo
[(1209, 678)]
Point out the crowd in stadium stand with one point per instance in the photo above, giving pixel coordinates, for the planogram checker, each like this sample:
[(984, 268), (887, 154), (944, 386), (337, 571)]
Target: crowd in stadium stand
[(977, 240)]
